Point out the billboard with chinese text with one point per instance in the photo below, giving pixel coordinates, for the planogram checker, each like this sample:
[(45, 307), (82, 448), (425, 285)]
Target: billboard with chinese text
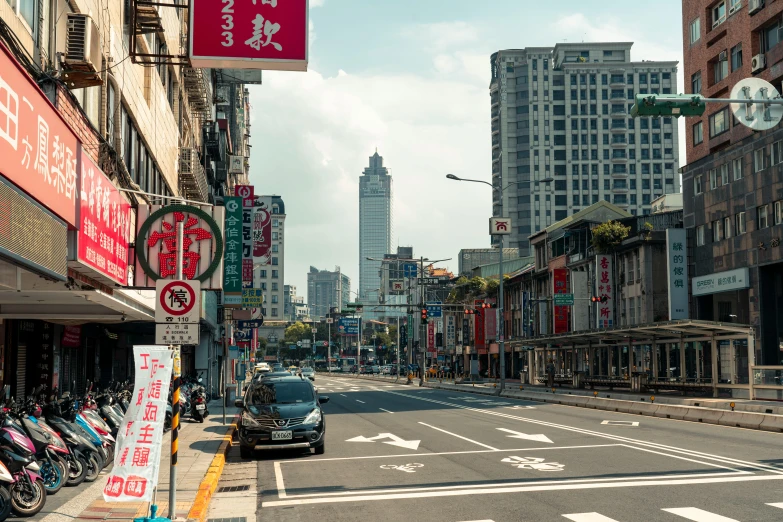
[(677, 273), (604, 286), (560, 286)]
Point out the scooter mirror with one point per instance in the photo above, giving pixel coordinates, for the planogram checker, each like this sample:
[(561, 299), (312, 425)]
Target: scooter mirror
[(200, 380)]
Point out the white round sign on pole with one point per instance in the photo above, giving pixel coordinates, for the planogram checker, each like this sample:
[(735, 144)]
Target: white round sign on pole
[(755, 114), (177, 301)]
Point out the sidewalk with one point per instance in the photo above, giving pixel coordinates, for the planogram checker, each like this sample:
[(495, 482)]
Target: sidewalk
[(198, 445)]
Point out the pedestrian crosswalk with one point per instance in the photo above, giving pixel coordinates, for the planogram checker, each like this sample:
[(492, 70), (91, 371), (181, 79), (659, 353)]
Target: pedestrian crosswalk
[(688, 513)]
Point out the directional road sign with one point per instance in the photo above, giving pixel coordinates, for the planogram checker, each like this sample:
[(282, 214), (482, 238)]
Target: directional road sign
[(564, 299), (410, 270), (435, 309), (177, 301)]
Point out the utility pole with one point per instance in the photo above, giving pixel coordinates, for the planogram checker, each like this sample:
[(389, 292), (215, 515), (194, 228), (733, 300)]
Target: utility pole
[(175, 396)]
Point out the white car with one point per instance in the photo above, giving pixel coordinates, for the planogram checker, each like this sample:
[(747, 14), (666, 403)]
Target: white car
[(386, 370), (262, 368)]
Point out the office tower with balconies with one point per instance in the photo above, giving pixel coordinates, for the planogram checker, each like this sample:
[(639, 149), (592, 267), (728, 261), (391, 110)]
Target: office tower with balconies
[(563, 137), (327, 290), (376, 216)]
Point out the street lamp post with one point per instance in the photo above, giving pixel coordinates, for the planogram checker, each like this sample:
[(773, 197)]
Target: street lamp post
[(501, 307)]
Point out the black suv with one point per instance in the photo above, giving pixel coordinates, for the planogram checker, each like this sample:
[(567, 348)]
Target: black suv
[(281, 413)]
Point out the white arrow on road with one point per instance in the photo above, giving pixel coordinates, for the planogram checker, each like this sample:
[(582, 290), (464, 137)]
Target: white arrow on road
[(395, 440), (517, 435)]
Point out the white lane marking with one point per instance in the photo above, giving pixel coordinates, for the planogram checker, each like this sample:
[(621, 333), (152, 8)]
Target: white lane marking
[(395, 440), (407, 468), (517, 489), (692, 453), (357, 400), (487, 520), (517, 435), (620, 423), (387, 411), (343, 395), (589, 517), (458, 436), (279, 481), (698, 515), (522, 407), (776, 505)]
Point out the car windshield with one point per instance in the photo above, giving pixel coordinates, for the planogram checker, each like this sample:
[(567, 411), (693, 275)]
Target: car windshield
[(279, 393)]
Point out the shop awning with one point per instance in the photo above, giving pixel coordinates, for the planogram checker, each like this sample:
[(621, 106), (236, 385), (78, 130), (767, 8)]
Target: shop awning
[(685, 330)]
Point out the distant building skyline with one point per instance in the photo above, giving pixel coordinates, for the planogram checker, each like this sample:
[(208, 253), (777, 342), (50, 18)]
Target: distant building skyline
[(325, 290), (376, 227)]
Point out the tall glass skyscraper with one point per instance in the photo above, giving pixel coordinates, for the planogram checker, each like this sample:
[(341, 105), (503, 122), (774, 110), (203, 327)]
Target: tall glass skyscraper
[(376, 225)]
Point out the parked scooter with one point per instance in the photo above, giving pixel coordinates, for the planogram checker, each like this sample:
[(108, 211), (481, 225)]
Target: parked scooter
[(84, 459), (198, 402), (28, 494), (6, 481)]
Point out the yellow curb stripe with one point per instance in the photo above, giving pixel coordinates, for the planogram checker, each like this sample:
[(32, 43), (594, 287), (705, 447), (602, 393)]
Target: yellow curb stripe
[(198, 512)]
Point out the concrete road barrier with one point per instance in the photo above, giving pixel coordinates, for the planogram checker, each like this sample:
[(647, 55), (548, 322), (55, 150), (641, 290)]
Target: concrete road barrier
[(772, 423), (644, 408), (741, 419), (668, 411)]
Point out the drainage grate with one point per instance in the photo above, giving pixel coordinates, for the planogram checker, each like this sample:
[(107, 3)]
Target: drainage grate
[(232, 519), (232, 489)]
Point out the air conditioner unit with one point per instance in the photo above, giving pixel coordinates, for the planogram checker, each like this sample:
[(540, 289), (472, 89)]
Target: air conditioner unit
[(755, 5), (723, 56), (758, 63), (83, 58)]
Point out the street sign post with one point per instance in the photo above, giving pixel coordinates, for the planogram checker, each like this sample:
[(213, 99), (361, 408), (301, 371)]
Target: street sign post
[(434, 309), (177, 301), (177, 333), (499, 226), (563, 299)]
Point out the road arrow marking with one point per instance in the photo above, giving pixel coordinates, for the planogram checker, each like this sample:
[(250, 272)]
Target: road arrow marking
[(517, 435), (395, 440)]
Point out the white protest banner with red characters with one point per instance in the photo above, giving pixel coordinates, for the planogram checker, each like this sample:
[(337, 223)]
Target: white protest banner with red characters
[(137, 458)]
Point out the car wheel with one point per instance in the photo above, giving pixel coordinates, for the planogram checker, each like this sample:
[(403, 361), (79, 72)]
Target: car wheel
[(319, 450), (245, 452)]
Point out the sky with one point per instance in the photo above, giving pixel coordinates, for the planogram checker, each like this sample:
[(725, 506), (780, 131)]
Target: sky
[(411, 78)]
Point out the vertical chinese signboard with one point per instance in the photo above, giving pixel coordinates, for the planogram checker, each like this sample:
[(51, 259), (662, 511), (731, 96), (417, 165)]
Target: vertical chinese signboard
[(451, 332), (465, 332), (560, 286), (246, 192), (104, 224), (232, 265), (262, 236), (431, 338), (137, 457), (604, 284), (677, 273), (270, 34), (478, 328), (37, 148)]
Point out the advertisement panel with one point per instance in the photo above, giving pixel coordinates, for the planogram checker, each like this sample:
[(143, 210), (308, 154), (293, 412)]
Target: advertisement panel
[(232, 266), (269, 34), (37, 147), (262, 236), (451, 331), (348, 326), (560, 286), (604, 284), (247, 193), (431, 337), (137, 463), (104, 224), (677, 273)]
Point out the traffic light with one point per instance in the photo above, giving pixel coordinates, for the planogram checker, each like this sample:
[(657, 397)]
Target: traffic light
[(667, 105), (602, 299), (468, 311), (424, 316)]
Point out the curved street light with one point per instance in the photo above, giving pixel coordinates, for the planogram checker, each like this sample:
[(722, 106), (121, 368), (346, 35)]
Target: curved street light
[(501, 308)]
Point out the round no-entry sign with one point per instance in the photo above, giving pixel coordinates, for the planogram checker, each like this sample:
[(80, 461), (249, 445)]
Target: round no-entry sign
[(177, 301)]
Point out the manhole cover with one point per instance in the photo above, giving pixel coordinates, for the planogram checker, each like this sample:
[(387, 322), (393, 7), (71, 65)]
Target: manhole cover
[(232, 489)]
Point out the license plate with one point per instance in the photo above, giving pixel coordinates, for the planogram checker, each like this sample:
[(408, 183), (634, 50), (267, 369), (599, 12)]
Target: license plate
[(201, 407), (282, 435)]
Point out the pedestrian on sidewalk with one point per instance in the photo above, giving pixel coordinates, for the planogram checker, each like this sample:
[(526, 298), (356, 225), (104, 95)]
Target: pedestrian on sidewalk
[(550, 374)]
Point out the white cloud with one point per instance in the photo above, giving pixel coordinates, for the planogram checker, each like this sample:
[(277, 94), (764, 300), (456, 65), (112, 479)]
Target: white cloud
[(312, 137), (442, 35)]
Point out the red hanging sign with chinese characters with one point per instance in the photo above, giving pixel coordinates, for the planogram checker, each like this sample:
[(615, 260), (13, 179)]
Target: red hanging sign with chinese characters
[(560, 284), (262, 237), (249, 34), (37, 147), (104, 224), (431, 338), (604, 284), (202, 245), (479, 330), (137, 459), (247, 193)]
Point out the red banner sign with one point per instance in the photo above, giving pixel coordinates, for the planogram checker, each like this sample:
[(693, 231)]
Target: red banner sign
[(479, 328), (262, 237), (264, 34), (104, 224), (431, 338), (37, 147), (560, 282), (72, 337)]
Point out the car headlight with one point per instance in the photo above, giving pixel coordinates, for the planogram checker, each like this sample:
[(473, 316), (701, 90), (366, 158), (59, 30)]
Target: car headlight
[(248, 420), (313, 417)]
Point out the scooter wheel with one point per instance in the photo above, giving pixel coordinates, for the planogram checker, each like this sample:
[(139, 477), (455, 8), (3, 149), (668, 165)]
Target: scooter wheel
[(53, 475), (5, 503), (27, 500), (77, 470), (94, 467)]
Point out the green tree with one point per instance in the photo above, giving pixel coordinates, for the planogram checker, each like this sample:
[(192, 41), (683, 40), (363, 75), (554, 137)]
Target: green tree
[(296, 332), (607, 236)]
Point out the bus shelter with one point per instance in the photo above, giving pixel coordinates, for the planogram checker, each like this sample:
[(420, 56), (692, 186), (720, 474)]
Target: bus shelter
[(673, 355)]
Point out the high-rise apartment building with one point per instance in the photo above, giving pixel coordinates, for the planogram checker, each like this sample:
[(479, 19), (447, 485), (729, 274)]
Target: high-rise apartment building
[(327, 290), (270, 277), (376, 227), (563, 137), (733, 182)]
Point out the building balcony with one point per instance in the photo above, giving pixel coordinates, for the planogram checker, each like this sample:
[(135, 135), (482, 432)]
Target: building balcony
[(619, 128), (620, 190), (619, 174), (619, 159), (619, 145)]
